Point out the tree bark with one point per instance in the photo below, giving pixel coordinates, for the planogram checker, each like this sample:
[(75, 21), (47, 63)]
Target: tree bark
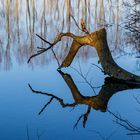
[(98, 40)]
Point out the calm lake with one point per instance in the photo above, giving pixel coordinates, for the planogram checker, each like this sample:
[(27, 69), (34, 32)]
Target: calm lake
[(37, 102)]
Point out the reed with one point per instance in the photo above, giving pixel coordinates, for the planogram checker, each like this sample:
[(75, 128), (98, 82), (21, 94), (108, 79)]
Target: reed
[(21, 19)]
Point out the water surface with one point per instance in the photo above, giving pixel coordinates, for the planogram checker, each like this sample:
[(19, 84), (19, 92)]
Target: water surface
[(34, 116)]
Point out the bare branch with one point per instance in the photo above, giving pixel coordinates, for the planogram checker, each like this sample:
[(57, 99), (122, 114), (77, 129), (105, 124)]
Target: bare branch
[(38, 53), (98, 68), (98, 40), (126, 124), (53, 97), (46, 105), (75, 22), (84, 78), (44, 40), (83, 25), (57, 39), (84, 116), (101, 136), (55, 57)]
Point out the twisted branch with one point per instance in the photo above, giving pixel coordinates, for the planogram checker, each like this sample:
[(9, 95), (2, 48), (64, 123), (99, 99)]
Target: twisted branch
[(51, 45)]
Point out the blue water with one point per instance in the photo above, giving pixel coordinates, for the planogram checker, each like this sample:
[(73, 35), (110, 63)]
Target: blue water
[(19, 106), (23, 115)]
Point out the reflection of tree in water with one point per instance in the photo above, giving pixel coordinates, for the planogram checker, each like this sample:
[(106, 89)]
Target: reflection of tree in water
[(7, 58), (25, 18), (129, 126), (98, 102), (1, 53)]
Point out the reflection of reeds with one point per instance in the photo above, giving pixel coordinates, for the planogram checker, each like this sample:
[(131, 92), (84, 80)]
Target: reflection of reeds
[(7, 57), (45, 16), (33, 16), (117, 24), (101, 18), (43, 21), (28, 16), (89, 15), (95, 19), (8, 18), (51, 7), (68, 12), (57, 12), (84, 10), (17, 20), (63, 20), (1, 53), (78, 7)]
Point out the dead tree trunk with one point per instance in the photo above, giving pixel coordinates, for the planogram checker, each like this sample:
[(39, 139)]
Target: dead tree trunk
[(98, 40)]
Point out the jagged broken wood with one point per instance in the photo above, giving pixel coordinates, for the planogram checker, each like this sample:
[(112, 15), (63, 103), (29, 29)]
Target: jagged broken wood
[(98, 40)]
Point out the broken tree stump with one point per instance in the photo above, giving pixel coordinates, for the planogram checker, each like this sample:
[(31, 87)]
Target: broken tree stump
[(98, 40)]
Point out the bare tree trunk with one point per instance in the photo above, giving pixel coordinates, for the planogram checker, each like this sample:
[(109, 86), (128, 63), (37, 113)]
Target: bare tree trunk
[(98, 40)]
